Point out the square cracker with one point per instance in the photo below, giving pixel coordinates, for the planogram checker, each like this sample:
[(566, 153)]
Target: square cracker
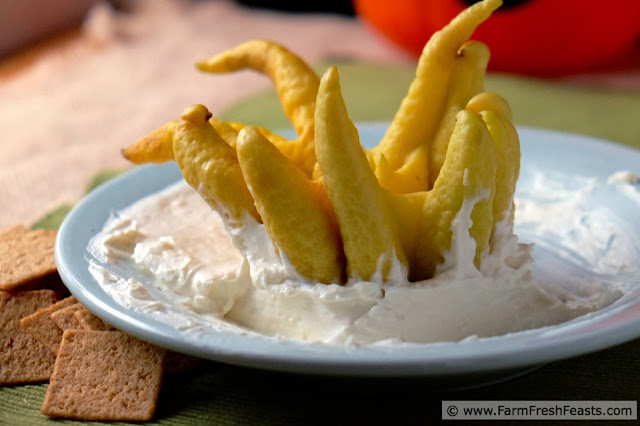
[(104, 375), (64, 318), (174, 362), (25, 255), (41, 326), (22, 358), (89, 321)]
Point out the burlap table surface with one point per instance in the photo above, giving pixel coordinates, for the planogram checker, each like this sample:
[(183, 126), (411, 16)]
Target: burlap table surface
[(225, 394)]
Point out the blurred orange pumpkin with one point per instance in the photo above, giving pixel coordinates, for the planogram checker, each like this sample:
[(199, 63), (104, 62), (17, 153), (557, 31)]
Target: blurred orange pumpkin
[(525, 36)]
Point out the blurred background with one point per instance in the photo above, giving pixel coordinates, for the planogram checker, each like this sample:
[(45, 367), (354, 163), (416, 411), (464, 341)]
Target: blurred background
[(540, 37)]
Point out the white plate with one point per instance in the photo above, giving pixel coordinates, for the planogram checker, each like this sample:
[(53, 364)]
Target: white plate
[(450, 364)]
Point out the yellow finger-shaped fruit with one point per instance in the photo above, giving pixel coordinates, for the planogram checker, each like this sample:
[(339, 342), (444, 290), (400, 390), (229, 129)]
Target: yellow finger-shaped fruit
[(295, 211), (369, 234), (420, 112), (227, 131), (385, 174), (211, 167), (407, 211), (467, 179), (156, 147), (274, 138), (488, 101), (512, 157), (292, 149), (508, 149), (467, 80), (508, 167), (295, 82), (412, 176)]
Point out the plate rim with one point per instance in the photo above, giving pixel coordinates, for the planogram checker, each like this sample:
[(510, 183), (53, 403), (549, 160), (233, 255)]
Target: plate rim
[(294, 357)]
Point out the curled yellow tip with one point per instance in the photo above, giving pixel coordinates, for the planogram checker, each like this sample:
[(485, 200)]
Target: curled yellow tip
[(196, 114), (487, 101), (296, 83), (156, 147)]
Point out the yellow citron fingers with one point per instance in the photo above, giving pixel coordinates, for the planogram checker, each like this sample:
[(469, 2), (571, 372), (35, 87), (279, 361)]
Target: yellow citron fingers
[(274, 138), (292, 149), (421, 166), (468, 174), (488, 101), (226, 130), (407, 210), (508, 150), (368, 231), (467, 80), (295, 211), (496, 114), (156, 147), (295, 82), (420, 112), (512, 156), (412, 176), (211, 167)]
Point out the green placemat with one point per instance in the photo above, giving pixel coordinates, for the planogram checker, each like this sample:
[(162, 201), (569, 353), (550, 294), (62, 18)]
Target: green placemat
[(222, 394)]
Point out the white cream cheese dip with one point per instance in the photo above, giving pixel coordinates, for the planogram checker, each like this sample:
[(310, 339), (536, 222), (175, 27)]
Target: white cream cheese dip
[(170, 256)]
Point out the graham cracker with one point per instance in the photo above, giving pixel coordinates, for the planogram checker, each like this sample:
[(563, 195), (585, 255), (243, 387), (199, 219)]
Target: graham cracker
[(89, 321), (41, 326), (22, 358), (65, 319), (174, 362), (104, 375), (25, 255)]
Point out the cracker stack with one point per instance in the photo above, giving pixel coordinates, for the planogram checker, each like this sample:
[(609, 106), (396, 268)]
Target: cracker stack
[(82, 387), (95, 371)]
